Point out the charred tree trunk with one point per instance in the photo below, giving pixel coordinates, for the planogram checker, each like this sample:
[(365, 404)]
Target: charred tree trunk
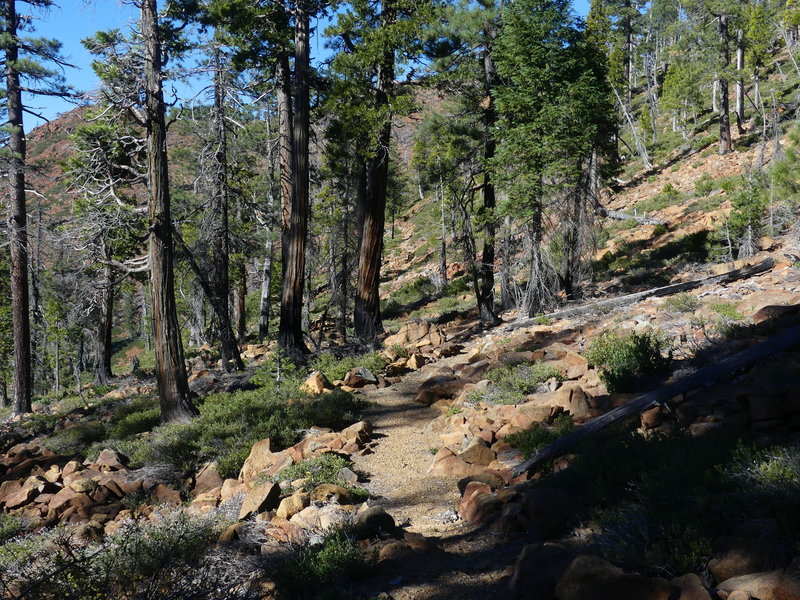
[(229, 349), (290, 333), (173, 388), (367, 314), (486, 290), (103, 373), (506, 297), (18, 222), (725, 142)]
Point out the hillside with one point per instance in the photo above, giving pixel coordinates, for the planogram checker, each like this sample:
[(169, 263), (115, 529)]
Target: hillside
[(693, 499)]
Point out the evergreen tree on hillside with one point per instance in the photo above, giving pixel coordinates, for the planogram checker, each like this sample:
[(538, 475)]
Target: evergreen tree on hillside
[(558, 123), (26, 69)]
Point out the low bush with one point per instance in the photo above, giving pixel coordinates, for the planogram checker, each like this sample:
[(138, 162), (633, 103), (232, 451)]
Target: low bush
[(682, 303), (326, 468), (229, 424), (726, 310), (323, 570), (623, 358), (530, 441), (335, 367), (172, 558), (514, 382)]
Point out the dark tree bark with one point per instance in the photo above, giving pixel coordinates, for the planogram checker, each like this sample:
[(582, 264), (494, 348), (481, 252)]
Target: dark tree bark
[(290, 331), (173, 388), (229, 349), (103, 373), (506, 297), (486, 290), (725, 141), (367, 315), (18, 219)]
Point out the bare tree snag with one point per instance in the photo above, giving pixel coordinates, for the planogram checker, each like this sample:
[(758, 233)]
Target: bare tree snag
[(702, 378)]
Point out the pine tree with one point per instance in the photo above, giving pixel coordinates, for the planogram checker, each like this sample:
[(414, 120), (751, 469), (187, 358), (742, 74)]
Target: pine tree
[(24, 60)]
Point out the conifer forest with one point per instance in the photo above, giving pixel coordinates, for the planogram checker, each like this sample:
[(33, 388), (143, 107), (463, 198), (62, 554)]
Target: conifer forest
[(400, 299)]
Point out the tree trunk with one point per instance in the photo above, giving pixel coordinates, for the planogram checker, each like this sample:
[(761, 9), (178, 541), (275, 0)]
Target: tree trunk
[(506, 297), (486, 291), (240, 309), (443, 244), (367, 314), (266, 284), (103, 373), (725, 142), (173, 388), (18, 222), (229, 349), (290, 332), (740, 81)]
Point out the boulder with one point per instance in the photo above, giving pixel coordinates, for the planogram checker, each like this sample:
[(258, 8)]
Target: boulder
[(263, 460), (166, 495), (208, 478), (538, 569), (328, 492), (756, 546), (478, 503), (230, 487), (110, 460), (593, 577), (769, 585), (572, 365), (261, 498), (475, 452), (291, 505), (316, 384), (416, 361), (373, 521), (691, 587), (358, 377), (439, 387)]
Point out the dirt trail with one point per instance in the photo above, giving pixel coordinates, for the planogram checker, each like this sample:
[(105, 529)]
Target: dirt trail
[(397, 470), (468, 563)]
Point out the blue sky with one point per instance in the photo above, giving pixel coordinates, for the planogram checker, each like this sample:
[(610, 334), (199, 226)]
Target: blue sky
[(74, 20)]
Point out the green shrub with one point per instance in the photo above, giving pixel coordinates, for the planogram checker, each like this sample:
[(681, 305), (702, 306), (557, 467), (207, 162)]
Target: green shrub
[(524, 378), (514, 382), (77, 439), (322, 571), (336, 367), (11, 526), (530, 441), (171, 558), (622, 358), (229, 424), (661, 503), (322, 469), (703, 186), (726, 310), (683, 303)]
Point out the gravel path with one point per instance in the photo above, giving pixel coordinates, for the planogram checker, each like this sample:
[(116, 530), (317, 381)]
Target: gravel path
[(397, 470)]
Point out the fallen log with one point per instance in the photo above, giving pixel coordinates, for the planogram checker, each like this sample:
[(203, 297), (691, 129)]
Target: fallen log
[(621, 216), (705, 377), (667, 290)]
